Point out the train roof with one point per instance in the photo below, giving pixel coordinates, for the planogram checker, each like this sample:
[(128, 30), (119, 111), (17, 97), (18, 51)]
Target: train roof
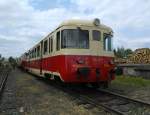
[(78, 22)]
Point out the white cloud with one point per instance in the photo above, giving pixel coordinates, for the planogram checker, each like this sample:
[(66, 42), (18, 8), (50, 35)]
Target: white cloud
[(20, 21)]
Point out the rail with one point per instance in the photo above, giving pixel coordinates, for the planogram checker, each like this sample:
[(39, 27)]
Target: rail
[(3, 78)]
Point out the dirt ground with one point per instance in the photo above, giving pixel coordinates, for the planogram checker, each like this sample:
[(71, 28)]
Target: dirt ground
[(26, 95)]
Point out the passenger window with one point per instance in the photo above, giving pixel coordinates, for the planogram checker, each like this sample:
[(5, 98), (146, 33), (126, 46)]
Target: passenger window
[(35, 52), (58, 41), (45, 47), (29, 55), (32, 53), (96, 35), (38, 51), (51, 44)]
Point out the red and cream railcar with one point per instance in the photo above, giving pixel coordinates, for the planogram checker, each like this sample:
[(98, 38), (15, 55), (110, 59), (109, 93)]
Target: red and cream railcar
[(77, 51)]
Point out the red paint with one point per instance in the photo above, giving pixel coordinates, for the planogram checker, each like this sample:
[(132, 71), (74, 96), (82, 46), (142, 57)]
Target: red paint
[(67, 66)]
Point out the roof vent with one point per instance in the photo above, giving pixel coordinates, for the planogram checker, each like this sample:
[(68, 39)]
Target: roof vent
[(96, 22)]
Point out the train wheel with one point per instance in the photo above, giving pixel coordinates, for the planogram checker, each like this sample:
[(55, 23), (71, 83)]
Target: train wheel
[(95, 85), (106, 84), (47, 76), (82, 85)]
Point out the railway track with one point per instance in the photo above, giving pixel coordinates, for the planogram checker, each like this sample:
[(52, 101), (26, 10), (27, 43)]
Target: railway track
[(125, 97), (109, 101), (3, 78), (114, 103), (129, 106)]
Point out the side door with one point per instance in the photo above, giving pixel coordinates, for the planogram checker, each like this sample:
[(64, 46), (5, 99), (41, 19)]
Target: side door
[(41, 57), (29, 61), (96, 50)]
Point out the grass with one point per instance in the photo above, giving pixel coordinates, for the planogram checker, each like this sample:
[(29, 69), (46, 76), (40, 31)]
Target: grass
[(131, 81)]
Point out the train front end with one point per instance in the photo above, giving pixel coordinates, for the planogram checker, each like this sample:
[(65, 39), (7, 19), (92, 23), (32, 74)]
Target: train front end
[(87, 48)]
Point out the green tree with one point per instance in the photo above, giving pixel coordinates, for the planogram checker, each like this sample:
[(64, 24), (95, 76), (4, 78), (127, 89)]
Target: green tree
[(1, 60), (128, 51), (12, 61), (122, 52)]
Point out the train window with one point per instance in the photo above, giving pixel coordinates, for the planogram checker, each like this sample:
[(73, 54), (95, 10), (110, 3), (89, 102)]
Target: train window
[(96, 35), (58, 41), (51, 44), (32, 53), (75, 38), (35, 52), (45, 47), (29, 55), (38, 51), (107, 42)]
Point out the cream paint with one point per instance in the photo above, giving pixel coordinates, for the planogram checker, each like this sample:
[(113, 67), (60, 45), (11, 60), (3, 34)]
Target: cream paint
[(37, 72), (95, 47)]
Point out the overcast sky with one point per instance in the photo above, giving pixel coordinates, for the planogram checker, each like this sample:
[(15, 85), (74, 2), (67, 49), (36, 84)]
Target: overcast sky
[(24, 22)]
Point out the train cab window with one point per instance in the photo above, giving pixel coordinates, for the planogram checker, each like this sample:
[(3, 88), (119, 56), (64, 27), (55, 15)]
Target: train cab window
[(75, 38), (38, 51), (45, 47), (96, 35), (58, 41), (107, 42)]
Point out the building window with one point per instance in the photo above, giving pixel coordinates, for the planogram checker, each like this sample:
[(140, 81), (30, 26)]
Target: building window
[(45, 47), (96, 35), (58, 41)]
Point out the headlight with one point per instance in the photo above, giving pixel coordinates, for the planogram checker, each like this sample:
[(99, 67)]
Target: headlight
[(80, 61), (96, 22)]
